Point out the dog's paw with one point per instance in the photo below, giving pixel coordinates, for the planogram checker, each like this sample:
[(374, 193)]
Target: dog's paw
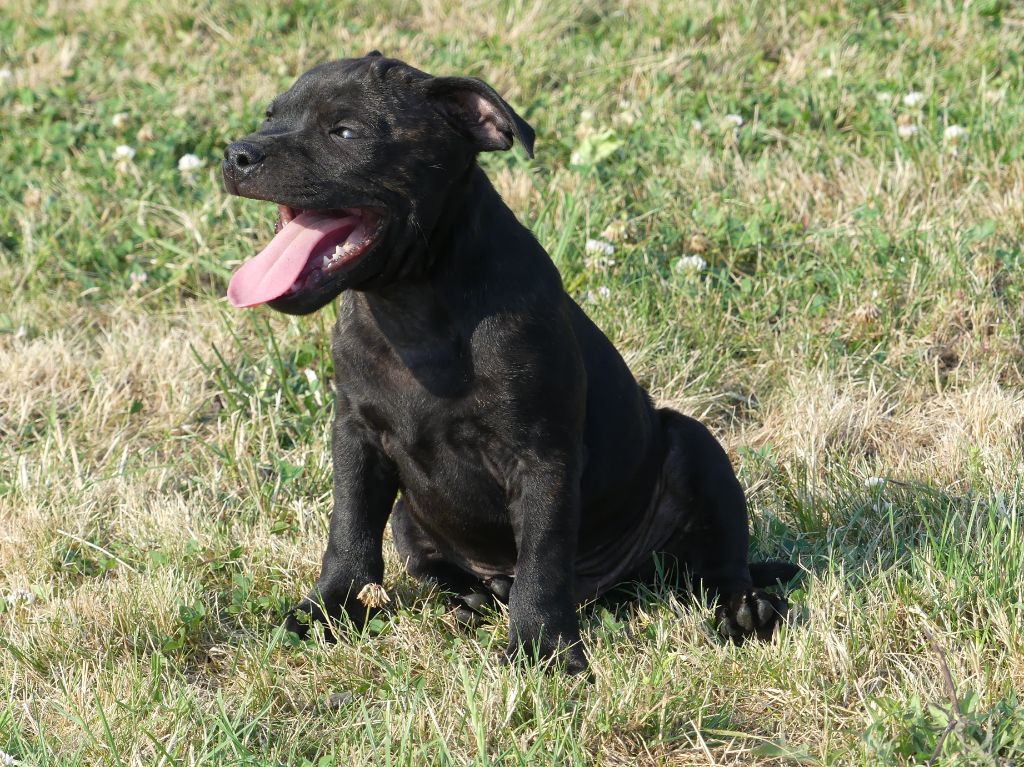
[(329, 614), (300, 619), (473, 609), (753, 613), (565, 655), (500, 586)]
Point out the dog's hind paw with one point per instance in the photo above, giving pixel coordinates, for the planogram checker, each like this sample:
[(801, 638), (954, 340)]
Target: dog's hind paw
[(752, 613), (472, 610)]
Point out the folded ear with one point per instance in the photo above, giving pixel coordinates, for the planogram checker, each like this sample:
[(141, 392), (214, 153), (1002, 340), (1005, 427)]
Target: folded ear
[(475, 109)]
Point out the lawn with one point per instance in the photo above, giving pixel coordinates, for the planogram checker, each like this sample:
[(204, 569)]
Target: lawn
[(806, 222)]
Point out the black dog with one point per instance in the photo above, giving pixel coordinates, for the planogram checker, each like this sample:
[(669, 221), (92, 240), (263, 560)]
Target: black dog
[(531, 464)]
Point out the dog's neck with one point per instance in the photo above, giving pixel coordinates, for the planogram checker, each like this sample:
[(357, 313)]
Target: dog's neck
[(466, 259)]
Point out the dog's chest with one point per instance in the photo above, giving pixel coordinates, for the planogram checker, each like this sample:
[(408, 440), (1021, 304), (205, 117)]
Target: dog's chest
[(429, 411), (446, 453)]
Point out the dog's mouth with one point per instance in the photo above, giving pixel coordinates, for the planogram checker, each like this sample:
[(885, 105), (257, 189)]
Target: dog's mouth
[(309, 248)]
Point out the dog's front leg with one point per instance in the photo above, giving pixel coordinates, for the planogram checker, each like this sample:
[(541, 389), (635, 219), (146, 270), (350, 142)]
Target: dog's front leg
[(545, 511), (365, 486)]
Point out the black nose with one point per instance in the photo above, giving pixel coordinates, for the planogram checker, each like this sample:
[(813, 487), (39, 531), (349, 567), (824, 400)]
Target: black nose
[(242, 156)]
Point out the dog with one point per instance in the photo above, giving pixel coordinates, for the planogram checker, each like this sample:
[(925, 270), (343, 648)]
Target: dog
[(478, 408)]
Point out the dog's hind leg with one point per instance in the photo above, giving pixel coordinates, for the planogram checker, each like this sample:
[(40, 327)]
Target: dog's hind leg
[(712, 539), (425, 562)]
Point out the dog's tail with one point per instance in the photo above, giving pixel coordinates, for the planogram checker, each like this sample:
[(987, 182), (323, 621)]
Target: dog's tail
[(772, 571)]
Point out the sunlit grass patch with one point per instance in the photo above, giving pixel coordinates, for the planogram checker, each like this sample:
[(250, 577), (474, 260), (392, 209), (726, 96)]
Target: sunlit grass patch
[(798, 222)]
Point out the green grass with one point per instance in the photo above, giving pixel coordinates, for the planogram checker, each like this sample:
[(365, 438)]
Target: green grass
[(164, 472)]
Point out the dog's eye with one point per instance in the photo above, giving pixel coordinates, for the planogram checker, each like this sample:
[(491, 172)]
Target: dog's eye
[(343, 131)]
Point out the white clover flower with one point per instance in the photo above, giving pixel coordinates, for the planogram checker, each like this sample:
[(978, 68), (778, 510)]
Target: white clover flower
[(138, 277), (827, 72), (734, 120), (871, 482), (576, 158), (585, 127), (691, 263), (119, 121), (16, 597), (954, 133), (124, 152), (190, 162), (625, 103), (6, 760), (913, 98), (313, 380), (907, 131), (373, 595), (600, 262), (601, 294), (6, 75), (697, 126), (599, 247), (883, 97)]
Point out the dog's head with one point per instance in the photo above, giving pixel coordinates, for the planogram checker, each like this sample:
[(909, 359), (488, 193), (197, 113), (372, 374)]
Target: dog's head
[(359, 155)]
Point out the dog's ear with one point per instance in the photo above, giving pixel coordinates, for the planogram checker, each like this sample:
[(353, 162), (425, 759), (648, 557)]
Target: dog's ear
[(476, 110), (373, 54)]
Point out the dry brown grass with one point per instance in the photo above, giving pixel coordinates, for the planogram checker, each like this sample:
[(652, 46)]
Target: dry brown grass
[(163, 505)]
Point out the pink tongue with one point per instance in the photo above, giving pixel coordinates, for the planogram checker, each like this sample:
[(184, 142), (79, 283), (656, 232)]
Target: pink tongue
[(270, 274)]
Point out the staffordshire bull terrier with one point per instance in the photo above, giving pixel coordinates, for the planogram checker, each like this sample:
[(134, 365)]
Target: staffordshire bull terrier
[(531, 465)]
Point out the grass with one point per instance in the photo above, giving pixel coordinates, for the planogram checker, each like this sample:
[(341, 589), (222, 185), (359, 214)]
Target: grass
[(854, 338)]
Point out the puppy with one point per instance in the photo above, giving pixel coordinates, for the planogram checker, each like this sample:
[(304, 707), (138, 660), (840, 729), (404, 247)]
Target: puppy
[(530, 463)]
